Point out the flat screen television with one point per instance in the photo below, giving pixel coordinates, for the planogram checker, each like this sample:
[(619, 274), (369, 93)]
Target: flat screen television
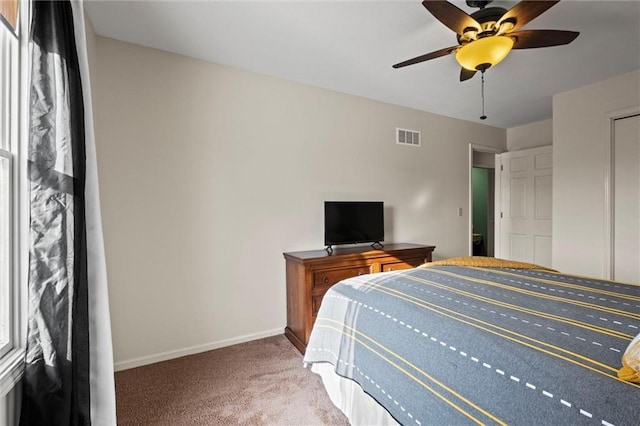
[(352, 222)]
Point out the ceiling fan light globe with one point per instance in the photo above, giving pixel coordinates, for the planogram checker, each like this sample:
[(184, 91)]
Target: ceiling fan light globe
[(488, 50)]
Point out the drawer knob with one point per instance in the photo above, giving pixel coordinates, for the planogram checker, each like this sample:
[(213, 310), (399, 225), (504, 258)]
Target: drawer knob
[(325, 279), (390, 268)]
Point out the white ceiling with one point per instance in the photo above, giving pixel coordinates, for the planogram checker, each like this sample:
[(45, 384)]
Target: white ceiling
[(350, 46)]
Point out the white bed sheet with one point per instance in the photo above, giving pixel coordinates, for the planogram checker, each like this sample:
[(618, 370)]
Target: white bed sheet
[(360, 408)]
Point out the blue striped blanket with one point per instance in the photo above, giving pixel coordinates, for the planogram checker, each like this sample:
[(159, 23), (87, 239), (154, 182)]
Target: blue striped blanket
[(452, 345)]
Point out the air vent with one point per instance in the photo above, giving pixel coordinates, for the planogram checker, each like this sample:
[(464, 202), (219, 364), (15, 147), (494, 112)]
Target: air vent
[(407, 137)]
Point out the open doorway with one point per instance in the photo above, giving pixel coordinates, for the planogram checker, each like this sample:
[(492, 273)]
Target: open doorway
[(483, 222), (482, 163)]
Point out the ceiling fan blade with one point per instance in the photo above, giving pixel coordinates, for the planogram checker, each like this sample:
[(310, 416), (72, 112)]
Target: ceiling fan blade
[(531, 39), (426, 57), (466, 74), (525, 11), (450, 15)]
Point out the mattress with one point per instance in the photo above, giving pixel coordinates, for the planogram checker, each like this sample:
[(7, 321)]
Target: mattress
[(451, 344)]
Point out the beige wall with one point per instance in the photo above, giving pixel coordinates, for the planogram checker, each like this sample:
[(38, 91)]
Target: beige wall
[(580, 134), (484, 159), (530, 135), (209, 173)]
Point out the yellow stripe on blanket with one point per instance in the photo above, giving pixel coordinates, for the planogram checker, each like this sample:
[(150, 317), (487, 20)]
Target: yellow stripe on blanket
[(485, 262)]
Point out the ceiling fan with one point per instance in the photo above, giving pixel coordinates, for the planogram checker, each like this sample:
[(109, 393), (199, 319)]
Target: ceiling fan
[(487, 35)]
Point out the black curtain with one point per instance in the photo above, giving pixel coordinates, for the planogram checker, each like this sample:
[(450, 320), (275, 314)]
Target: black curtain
[(56, 380)]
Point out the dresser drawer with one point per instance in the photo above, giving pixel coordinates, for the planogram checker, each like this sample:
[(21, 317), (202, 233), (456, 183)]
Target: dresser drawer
[(329, 277), (403, 264)]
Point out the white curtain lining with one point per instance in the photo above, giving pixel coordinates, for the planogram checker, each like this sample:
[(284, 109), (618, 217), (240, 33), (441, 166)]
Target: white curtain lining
[(103, 402)]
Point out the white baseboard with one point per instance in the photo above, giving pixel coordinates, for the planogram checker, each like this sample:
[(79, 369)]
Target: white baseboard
[(164, 356)]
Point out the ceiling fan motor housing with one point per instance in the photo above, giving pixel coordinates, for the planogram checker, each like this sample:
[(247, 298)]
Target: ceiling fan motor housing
[(487, 18), (480, 4)]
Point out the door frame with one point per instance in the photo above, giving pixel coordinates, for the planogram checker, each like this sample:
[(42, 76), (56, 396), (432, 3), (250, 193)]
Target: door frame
[(491, 150), (609, 141)]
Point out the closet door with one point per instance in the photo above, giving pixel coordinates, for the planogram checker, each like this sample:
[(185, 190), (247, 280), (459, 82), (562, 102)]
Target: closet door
[(626, 199)]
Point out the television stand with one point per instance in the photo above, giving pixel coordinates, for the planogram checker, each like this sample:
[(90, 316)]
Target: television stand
[(329, 249), (311, 273)]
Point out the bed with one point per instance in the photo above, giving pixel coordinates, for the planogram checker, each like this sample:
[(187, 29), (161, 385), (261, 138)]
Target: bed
[(479, 341)]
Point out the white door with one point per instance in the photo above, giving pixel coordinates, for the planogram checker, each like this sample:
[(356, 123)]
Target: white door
[(626, 199), (525, 205)]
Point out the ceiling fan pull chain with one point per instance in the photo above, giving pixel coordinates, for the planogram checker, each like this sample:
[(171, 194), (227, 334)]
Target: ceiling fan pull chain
[(482, 117)]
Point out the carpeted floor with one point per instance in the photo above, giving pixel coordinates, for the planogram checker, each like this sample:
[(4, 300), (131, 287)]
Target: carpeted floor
[(256, 383)]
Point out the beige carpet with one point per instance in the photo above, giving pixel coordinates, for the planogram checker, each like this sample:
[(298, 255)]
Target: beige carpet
[(256, 383)]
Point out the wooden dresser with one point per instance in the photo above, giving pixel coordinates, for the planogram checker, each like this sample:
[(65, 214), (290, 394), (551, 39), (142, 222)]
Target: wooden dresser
[(311, 273)]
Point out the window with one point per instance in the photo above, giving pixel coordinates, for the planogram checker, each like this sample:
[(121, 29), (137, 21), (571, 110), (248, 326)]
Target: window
[(8, 152), (10, 188), (6, 246)]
